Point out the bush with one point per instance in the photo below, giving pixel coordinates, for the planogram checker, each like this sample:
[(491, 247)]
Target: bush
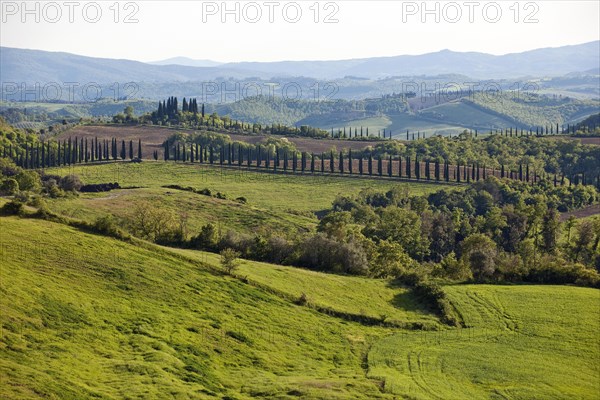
[(29, 180), (70, 183), (12, 208), (302, 300), (242, 200), (229, 260), (106, 225), (9, 187), (207, 238), (99, 187), (433, 294)]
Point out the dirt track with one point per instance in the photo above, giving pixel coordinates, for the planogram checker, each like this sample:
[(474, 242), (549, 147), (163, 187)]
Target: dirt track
[(583, 213)]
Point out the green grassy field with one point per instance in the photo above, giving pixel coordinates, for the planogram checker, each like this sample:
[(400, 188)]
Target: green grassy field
[(460, 112), (279, 203), (525, 342), (374, 298), (88, 316), (101, 318)]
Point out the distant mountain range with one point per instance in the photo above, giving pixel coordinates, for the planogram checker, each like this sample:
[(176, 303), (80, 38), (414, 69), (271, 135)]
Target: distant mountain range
[(20, 65), (187, 62)]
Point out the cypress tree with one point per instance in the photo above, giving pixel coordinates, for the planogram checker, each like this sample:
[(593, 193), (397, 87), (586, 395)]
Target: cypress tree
[(294, 161), (123, 150), (360, 164), (140, 149), (350, 161), (417, 168), (521, 172), (341, 163), (379, 166), (400, 166), (370, 165), (69, 152), (331, 162), (312, 162), (389, 167), (44, 164), (131, 149)]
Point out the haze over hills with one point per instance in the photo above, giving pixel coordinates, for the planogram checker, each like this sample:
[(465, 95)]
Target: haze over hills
[(188, 62), (21, 65)]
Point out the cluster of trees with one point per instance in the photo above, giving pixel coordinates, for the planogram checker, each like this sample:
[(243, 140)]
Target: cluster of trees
[(494, 231), (19, 182), (192, 115)]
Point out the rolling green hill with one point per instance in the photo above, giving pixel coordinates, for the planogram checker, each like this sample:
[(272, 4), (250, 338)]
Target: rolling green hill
[(105, 319), (88, 316), (269, 196), (525, 342)]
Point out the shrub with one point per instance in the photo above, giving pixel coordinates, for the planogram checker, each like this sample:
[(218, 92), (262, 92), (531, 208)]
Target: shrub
[(70, 183), (106, 225), (207, 238), (433, 294), (302, 300), (242, 200), (29, 180), (9, 187), (229, 260), (99, 187), (14, 207)]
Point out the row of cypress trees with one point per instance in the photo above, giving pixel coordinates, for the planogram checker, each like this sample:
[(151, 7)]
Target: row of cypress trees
[(81, 150), (344, 163), (72, 151)]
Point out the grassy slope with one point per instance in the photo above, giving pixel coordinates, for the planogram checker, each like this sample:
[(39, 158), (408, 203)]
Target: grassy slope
[(460, 112), (348, 294), (525, 342), (108, 319), (281, 203), (103, 318)]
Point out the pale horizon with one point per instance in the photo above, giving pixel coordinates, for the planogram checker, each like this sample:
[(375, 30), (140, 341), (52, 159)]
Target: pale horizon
[(159, 30)]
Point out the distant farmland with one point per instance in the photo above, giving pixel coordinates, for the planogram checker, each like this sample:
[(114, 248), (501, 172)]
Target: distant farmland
[(154, 136)]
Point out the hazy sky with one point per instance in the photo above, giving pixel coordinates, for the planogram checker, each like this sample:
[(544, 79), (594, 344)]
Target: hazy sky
[(288, 30)]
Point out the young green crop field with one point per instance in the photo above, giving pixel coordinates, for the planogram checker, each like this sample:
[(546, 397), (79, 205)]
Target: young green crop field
[(89, 316), (281, 203), (374, 298), (524, 342)]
